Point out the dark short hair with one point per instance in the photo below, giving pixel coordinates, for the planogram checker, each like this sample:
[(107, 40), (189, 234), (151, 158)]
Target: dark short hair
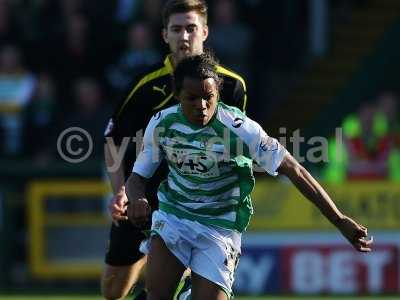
[(183, 6), (199, 67)]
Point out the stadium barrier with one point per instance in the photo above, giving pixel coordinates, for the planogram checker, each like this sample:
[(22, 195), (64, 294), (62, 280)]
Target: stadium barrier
[(279, 206), (288, 248), (68, 228), (314, 263)]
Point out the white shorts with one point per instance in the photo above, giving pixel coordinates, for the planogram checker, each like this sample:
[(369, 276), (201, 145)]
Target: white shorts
[(209, 251)]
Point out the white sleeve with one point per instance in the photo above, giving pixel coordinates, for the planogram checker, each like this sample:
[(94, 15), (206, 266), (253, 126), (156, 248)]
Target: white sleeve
[(151, 155), (269, 153), (266, 151)]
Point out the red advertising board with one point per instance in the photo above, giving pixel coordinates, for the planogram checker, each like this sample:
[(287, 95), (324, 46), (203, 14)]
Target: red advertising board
[(317, 263), (337, 269)]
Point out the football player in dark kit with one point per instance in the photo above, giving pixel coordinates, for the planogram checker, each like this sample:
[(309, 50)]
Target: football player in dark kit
[(185, 30)]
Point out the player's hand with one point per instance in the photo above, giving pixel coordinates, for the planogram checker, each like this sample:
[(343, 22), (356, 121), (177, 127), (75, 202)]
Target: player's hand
[(356, 234), (139, 212), (117, 207)]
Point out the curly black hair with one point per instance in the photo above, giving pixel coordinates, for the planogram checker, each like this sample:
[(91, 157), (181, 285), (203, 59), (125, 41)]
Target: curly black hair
[(200, 67)]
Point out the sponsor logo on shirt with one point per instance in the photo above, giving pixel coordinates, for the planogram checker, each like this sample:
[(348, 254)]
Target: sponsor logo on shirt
[(161, 90), (237, 122), (193, 162), (268, 143)]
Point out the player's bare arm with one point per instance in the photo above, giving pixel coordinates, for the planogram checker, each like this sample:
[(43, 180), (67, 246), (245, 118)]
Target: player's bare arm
[(138, 208), (355, 233), (117, 205)]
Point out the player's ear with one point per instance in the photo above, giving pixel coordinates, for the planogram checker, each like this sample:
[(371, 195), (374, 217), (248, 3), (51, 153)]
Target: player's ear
[(164, 34), (205, 32)]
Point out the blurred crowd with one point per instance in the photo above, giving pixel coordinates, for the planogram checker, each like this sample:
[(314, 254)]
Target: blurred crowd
[(69, 62), (370, 148)]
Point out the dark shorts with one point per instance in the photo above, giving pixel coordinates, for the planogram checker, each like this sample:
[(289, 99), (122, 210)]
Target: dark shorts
[(124, 240), (123, 245)]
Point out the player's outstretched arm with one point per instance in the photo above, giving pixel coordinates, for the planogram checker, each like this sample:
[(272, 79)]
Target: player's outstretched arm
[(355, 233), (138, 208)]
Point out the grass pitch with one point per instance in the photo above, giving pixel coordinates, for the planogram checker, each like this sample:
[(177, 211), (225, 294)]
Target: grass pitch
[(91, 297)]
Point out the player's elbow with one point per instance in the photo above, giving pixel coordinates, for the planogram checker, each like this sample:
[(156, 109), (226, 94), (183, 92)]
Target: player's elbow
[(290, 167), (299, 170), (296, 172)]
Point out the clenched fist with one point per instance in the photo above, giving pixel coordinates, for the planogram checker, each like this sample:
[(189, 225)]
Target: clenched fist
[(117, 207), (139, 211), (355, 233)]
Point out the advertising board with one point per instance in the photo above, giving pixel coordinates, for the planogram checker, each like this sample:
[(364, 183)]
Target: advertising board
[(315, 263)]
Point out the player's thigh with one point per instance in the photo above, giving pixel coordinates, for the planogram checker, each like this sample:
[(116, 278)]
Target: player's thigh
[(117, 281), (163, 272), (214, 262), (203, 288)]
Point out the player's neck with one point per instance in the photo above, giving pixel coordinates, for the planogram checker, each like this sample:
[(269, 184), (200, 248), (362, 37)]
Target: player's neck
[(174, 60)]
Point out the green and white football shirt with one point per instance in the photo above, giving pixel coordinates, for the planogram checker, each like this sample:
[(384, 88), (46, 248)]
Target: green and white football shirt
[(211, 176)]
